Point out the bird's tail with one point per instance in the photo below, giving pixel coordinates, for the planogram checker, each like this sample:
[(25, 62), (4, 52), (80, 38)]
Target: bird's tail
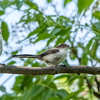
[(26, 56)]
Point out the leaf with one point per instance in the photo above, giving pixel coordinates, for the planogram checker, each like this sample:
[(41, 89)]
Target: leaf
[(17, 85), (88, 46), (31, 4), (73, 95), (93, 50), (5, 3), (5, 33), (62, 93), (50, 40), (36, 31), (49, 82), (42, 36), (96, 27), (46, 94), (26, 84), (72, 79), (66, 2), (83, 5), (8, 97), (49, 1), (2, 12), (11, 63), (61, 76), (54, 98), (14, 52), (55, 31), (84, 59), (2, 88), (19, 3), (35, 90), (96, 14)]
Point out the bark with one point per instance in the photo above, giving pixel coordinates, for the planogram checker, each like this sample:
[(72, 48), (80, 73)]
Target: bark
[(49, 70)]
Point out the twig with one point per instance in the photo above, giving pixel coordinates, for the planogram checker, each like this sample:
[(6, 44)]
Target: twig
[(90, 87), (98, 84)]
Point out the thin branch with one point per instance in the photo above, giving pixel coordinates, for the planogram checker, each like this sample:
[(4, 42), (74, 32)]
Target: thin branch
[(90, 87), (98, 84), (48, 70)]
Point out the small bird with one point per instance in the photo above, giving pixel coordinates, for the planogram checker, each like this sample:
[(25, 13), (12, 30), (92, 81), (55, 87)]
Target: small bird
[(1, 47), (51, 57)]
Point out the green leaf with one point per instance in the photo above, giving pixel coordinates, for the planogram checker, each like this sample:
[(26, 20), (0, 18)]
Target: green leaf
[(84, 59), (31, 4), (14, 52), (83, 5), (55, 31), (2, 88), (94, 49), (36, 31), (5, 33), (96, 14), (88, 46), (26, 84), (50, 40), (96, 27), (5, 3), (66, 2), (72, 79), (8, 97), (73, 95), (35, 90), (42, 36), (2, 12), (49, 1), (54, 98), (46, 94), (19, 4), (62, 93), (11, 63), (17, 85), (61, 76)]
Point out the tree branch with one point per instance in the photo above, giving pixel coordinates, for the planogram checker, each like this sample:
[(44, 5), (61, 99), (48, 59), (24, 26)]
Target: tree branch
[(98, 84), (48, 70), (90, 87)]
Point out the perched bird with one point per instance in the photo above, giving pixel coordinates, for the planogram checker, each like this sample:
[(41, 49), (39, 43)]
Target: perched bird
[(53, 56), (1, 47)]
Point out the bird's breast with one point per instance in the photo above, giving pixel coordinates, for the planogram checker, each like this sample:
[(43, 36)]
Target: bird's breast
[(55, 58)]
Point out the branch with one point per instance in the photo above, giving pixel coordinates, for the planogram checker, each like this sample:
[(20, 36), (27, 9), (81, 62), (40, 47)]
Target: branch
[(48, 70), (90, 87), (98, 84)]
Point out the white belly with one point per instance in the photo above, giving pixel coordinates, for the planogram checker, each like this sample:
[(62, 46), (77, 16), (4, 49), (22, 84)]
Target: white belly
[(56, 58)]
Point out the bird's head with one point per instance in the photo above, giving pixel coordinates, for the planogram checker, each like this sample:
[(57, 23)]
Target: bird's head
[(63, 45)]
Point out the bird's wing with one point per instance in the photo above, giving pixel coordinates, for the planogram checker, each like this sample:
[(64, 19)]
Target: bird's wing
[(49, 52)]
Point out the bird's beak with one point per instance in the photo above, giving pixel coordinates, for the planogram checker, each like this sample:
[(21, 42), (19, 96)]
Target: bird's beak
[(1, 30)]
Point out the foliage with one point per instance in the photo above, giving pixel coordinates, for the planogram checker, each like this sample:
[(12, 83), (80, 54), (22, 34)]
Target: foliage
[(81, 30)]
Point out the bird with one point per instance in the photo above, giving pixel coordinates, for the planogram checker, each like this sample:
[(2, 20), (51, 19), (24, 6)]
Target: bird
[(52, 57), (1, 47)]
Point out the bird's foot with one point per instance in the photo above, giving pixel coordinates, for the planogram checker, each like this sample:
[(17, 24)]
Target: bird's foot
[(78, 73), (55, 66), (63, 65)]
